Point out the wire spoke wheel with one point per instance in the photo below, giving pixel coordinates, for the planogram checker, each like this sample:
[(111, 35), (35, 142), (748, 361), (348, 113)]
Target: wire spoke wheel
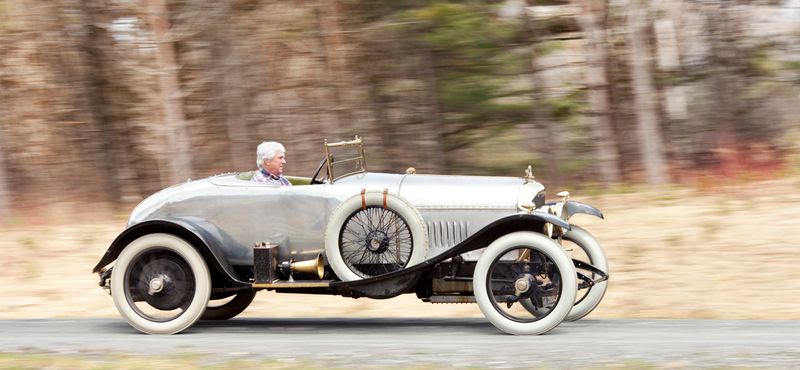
[(375, 241), (374, 233)]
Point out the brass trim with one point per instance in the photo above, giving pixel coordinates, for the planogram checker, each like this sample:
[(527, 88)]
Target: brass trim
[(312, 266), (529, 175), (354, 142), (328, 160), (525, 256), (296, 284)]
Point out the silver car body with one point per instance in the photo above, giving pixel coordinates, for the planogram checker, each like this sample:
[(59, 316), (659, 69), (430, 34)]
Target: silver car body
[(245, 213)]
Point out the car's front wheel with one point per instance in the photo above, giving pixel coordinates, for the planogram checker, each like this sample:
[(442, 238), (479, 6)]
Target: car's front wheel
[(588, 250), (524, 266), (160, 284)]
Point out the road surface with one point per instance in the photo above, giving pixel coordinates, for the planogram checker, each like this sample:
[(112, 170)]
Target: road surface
[(407, 342)]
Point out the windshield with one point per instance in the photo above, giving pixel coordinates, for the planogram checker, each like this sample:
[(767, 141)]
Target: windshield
[(345, 158)]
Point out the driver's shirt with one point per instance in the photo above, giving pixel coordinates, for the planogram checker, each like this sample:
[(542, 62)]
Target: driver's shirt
[(263, 176)]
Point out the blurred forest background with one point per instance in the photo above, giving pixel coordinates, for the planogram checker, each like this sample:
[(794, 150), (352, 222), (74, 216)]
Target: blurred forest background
[(108, 101)]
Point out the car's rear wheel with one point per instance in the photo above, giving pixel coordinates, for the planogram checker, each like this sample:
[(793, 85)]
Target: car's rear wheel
[(226, 308), (524, 266), (372, 234), (160, 284)]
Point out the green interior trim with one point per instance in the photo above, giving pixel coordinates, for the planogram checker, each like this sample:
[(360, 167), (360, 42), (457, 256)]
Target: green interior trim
[(299, 180), (246, 176)]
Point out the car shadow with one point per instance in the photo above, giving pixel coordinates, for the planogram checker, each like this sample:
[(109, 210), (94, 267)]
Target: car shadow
[(345, 324)]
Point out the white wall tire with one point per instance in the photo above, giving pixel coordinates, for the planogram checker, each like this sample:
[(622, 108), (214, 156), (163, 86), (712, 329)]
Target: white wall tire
[(585, 248), (160, 284), (597, 257), (497, 268), (386, 240)]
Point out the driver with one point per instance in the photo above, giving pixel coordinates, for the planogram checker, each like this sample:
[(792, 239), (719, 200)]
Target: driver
[(270, 157)]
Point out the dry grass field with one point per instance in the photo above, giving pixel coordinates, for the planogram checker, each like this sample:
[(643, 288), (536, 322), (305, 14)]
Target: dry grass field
[(730, 252)]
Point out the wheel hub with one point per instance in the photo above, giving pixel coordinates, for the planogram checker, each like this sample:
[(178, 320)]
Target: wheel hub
[(521, 286), (156, 285), (525, 285), (166, 284), (377, 242)]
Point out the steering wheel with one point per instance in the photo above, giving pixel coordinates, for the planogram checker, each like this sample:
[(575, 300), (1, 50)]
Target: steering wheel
[(316, 173)]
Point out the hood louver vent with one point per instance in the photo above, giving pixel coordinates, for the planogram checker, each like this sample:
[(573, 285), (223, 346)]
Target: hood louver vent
[(447, 233)]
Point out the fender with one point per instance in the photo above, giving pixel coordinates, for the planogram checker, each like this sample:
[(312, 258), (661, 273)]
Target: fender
[(192, 233), (577, 207), (509, 224)]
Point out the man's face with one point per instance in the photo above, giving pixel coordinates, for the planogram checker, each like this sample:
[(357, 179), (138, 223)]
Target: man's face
[(275, 166)]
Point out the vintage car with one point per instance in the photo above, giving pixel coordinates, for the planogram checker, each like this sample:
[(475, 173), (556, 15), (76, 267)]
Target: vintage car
[(202, 249)]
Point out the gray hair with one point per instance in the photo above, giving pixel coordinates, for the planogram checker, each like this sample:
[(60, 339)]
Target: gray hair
[(267, 150)]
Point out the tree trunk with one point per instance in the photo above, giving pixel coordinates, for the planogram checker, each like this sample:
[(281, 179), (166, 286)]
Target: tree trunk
[(176, 158), (544, 132), (241, 155), (336, 58), (432, 137), (648, 130), (5, 196), (98, 103), (605, 145), (725, 120), (232, 96)]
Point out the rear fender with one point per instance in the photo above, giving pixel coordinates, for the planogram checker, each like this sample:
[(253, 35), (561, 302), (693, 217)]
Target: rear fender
[(197, 236)]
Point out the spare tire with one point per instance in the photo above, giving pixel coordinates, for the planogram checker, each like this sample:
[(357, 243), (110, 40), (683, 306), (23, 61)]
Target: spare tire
[(374, 233)]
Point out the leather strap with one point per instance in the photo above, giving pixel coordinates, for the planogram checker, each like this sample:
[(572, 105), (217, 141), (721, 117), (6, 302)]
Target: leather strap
[(363, 199), (385, 191)]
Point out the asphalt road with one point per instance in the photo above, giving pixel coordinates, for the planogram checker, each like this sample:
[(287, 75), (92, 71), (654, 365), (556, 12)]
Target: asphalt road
[(399, 342)]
